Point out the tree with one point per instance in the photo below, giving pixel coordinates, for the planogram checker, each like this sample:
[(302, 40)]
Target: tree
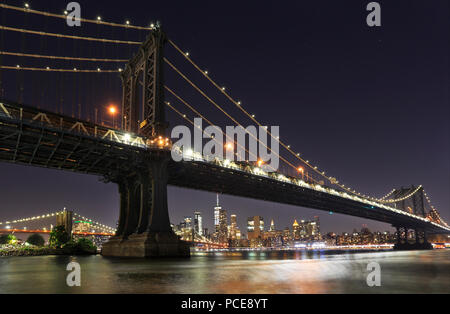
[(7, 239), (82, 246), (86, 245), (59, 237), (36, 239)]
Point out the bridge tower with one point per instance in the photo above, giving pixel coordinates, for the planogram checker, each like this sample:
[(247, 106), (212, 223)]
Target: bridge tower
[(413, 204), (143, 108), (144, 228), (65, 219)]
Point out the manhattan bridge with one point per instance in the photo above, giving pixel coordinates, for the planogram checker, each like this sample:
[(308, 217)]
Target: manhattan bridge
[(51, 116)]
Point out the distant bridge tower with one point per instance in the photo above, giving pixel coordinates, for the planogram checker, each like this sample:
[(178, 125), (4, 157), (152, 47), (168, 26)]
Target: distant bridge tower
[(143, 108), (65, 219), (414, 204)]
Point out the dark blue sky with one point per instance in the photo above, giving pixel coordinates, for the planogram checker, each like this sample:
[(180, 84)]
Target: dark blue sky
[(369, 106)]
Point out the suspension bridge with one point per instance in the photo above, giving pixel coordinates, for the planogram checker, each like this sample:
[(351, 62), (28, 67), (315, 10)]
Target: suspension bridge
[(43, 224), (135, 151)]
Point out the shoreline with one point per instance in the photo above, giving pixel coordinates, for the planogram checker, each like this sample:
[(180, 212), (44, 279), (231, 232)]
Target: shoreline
[(28, 252)]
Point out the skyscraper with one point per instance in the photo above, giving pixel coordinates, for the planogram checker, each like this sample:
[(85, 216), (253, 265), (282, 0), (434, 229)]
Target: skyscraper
[(217, 210), (272, 226), (255, 227), (198, 223), (223, 226)]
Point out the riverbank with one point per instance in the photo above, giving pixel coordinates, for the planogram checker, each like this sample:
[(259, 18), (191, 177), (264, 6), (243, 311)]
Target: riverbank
[(41, 251)]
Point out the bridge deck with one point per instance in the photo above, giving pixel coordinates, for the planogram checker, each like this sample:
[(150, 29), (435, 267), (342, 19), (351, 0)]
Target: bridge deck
[(33, 137)]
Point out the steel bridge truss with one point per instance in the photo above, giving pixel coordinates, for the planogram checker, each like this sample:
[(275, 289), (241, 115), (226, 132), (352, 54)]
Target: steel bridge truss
[(143, 107)]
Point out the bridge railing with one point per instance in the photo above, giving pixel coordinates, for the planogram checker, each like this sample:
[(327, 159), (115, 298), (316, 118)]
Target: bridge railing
[(70, 125), (248, 168)]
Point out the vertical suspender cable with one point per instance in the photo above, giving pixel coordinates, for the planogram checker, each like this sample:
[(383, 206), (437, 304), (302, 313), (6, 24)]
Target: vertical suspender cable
[(21, 74)]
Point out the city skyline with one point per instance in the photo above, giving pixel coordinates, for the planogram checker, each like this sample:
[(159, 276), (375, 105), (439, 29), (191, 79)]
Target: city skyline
[(233, 148), (347, 101), (209, 220)]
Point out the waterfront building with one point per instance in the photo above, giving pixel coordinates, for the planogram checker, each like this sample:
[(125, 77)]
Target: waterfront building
[(198, 223)]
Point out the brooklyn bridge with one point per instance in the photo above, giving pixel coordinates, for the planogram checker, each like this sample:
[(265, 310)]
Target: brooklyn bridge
[(136, 153)]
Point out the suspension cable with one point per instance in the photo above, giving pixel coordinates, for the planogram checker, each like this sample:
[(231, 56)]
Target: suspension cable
[(204, 118), (27, 10), (18, 54), (434, 209), (27, 31), (252, 117), (223, 111), (48, 69), (387, 195), (390, 201), (193, 124)]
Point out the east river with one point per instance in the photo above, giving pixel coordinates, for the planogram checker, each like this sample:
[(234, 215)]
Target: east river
[(233, 273)]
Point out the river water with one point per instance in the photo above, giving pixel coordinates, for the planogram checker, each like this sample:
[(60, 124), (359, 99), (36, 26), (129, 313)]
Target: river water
[(233, 273)]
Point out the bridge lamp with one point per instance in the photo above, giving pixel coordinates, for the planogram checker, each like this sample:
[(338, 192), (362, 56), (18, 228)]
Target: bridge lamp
[(127, 137), (113, 111), (302, 171), (260, 163), (229, 146)]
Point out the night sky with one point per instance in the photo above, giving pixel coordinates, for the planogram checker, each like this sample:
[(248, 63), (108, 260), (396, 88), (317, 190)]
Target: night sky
[(368, 105)]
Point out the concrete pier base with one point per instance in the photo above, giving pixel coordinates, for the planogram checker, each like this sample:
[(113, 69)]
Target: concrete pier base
[(413, 246), (147, 245)]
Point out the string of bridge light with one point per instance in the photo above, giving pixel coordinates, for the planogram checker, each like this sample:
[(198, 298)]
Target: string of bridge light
[(18, 54), (94, 222), (184, 116), (98, 20), (48, 69), (402, 198), (433, 208), (223, 90), (32, 218), (127, 24), (104, 40), (387, 195), (199, 114), (226, 113)]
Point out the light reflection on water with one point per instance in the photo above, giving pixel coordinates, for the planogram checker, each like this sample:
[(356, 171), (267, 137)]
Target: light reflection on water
[(243, 272)]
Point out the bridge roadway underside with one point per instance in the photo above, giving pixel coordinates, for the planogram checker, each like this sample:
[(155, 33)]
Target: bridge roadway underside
[(207, 177)]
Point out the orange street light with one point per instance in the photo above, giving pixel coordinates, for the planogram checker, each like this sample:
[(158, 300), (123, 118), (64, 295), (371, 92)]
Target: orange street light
[(260, 163), (302, 171), (112, 111), (229, 146)]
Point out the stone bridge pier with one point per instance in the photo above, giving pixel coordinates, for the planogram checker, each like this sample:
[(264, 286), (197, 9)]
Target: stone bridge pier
[(420, 240), (144, 226)]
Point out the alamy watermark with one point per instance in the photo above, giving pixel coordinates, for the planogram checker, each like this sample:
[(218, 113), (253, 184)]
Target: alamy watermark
[(374, 18), (73, 12), (374, 277), (74, 277), (253, 144)]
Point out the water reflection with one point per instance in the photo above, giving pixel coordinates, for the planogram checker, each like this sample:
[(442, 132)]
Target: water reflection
[(234, 272)]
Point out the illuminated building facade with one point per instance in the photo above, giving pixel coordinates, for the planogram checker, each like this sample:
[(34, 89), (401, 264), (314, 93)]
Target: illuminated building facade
[(198, 223), (255, 231)]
